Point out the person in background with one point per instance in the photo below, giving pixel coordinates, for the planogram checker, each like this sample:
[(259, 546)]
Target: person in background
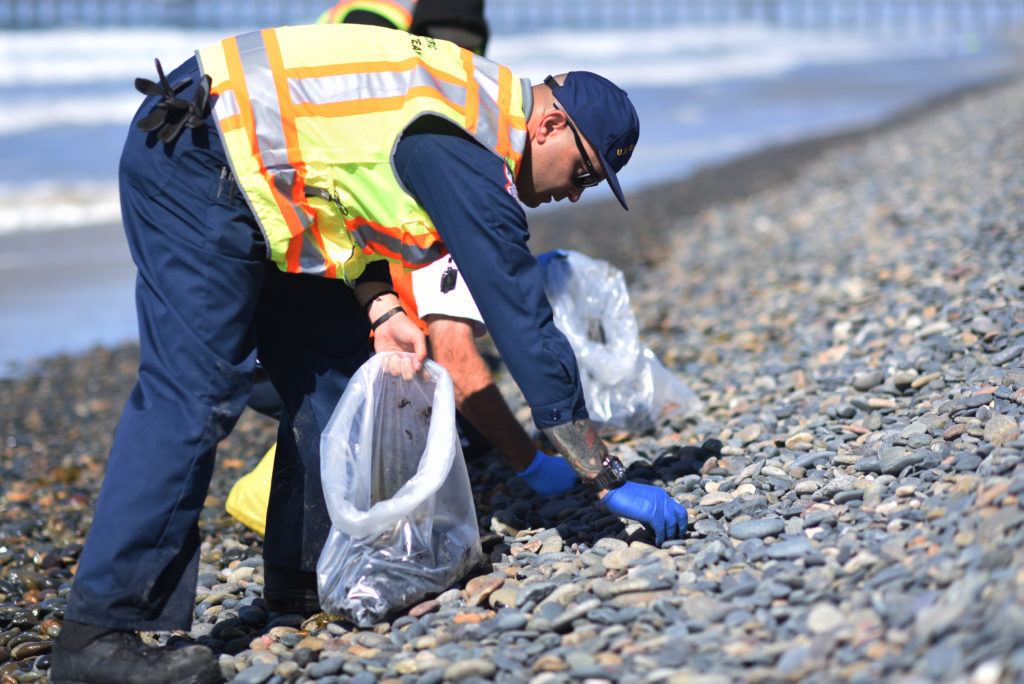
[(451, 319), (459, 21), (260, 173)]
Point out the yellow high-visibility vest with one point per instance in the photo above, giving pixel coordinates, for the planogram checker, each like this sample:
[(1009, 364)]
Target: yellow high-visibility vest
[(398, 12), (310, 117)]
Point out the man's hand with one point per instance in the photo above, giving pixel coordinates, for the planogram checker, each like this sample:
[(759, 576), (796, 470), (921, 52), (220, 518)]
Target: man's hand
[(649, 505), (549, 475), (586, 452), (394, 331), (400, 334)]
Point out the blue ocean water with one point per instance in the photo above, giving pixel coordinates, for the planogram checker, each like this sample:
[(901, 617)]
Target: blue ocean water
[(705, 92)]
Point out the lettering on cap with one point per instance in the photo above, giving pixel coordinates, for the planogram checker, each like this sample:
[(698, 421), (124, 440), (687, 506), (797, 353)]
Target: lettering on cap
[(625, 150)]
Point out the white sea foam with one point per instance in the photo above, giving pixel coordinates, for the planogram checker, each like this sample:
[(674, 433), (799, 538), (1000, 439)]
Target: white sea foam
[(36, 113), (49, 206), (60, 57)]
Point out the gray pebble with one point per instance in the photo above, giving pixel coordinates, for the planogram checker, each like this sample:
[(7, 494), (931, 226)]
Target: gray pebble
[(868, 380), (254, 674), (791, 549), (756, 528)]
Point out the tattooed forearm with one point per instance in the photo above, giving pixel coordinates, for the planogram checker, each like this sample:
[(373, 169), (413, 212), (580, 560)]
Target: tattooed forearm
[(579, 444)]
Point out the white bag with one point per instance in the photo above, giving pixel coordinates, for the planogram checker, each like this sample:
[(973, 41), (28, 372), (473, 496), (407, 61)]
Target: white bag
[(403, 520), (624, 383)]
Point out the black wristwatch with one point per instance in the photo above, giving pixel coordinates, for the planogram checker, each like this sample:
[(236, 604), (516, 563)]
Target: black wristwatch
[(612, 475)]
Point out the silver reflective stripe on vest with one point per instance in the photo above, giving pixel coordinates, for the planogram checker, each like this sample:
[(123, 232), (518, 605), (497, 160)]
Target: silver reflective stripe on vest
[(517, 137), (489, 121), (267, 118), (259, 78), (489, 115), (411, 254), (353, 87), (227, 105), (269, 133)]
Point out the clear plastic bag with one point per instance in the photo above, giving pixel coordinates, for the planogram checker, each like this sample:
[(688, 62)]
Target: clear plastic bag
[(403, 522), (624, 383)]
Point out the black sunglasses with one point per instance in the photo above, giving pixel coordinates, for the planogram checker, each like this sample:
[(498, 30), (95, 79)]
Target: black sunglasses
[(591, 177)]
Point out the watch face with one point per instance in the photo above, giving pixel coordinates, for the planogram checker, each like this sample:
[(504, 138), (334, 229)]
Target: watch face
[(613, 466)]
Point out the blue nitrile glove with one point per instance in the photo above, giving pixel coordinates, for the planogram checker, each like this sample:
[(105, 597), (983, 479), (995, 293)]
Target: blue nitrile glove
[(649, 505), (548, 475), (553, 254)]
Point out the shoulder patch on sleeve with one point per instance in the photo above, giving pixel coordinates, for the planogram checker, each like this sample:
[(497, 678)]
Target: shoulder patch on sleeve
[(510, 184)]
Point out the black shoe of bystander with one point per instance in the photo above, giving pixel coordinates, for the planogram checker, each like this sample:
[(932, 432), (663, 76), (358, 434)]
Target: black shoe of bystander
[(292, 602), (290, 592), (85, 654)]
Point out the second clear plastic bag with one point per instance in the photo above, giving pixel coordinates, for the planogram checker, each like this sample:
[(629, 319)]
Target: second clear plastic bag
[(403, 522), (624, 383)]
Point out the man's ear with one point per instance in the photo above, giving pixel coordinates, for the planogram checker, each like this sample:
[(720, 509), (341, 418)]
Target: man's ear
[(552, 122)]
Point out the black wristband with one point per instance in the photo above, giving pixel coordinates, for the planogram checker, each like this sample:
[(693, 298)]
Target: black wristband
[(369, 303), (612, 475), (394, 312)]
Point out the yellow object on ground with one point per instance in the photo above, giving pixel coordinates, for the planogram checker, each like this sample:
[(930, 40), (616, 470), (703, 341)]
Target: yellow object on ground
[(248, 499)]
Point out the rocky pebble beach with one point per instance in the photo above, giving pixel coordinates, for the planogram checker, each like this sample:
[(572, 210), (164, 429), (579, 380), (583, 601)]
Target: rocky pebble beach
[(855, 478)]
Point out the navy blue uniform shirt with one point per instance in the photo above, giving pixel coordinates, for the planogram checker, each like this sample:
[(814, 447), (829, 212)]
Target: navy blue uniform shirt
[(471, 199)]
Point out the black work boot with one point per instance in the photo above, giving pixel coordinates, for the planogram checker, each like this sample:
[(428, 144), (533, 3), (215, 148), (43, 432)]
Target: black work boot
[(288, 591), (85, 654)]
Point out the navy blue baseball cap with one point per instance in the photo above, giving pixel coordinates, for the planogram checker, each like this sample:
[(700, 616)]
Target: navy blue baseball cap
[(606, 118)]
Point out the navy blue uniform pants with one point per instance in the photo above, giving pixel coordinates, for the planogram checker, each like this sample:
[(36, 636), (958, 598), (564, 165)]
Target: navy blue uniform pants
[(206, 295)]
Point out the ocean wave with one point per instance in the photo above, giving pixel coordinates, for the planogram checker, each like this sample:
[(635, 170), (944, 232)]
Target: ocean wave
[(93, 55), (31, 114), (49, 206)]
